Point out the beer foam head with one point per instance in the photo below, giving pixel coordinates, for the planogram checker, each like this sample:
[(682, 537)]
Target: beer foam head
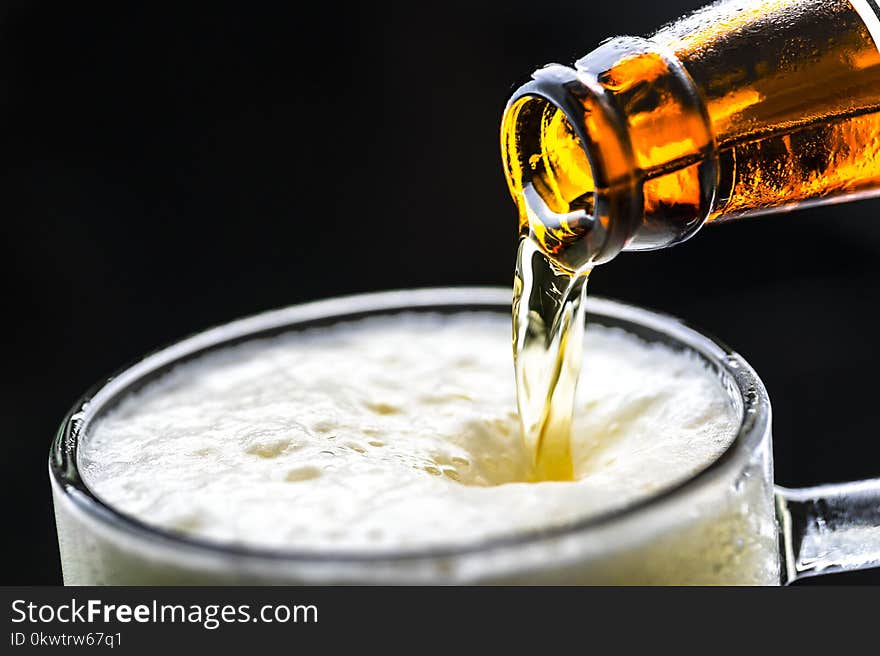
[(395, 433)]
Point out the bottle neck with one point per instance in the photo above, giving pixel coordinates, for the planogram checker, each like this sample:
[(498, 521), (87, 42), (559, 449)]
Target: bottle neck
[(615, 153)]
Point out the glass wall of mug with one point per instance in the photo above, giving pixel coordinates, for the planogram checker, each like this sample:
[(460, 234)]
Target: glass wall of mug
[(718, 527)]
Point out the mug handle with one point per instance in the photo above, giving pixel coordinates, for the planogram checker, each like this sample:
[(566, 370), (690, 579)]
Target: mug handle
[(829, 528)]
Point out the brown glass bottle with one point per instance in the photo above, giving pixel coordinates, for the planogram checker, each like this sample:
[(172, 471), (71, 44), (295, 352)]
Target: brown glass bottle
[(743, 107)]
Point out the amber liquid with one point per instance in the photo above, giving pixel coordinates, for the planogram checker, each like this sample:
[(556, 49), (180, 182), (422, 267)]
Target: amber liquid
[(548, 337), (797, 119)]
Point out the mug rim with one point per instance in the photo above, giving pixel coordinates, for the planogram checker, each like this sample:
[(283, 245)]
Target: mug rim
[(64, 466)]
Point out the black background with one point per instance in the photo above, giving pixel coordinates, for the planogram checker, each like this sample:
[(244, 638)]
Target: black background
[(166, 168)]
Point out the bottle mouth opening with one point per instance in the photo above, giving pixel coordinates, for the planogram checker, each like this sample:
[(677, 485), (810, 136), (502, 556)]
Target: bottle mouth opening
[(551, 178), (559, 169), (569, 168)]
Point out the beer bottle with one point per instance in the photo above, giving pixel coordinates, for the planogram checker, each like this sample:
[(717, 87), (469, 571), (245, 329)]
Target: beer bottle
[(741, 108)]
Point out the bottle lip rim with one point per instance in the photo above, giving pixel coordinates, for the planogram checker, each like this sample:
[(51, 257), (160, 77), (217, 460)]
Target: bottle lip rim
[(63, 463)]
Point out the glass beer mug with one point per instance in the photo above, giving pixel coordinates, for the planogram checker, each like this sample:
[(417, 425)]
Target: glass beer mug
[(726, 524)]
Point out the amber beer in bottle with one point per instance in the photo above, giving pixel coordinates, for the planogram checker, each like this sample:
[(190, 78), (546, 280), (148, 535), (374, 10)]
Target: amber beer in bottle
[(741, 108)]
